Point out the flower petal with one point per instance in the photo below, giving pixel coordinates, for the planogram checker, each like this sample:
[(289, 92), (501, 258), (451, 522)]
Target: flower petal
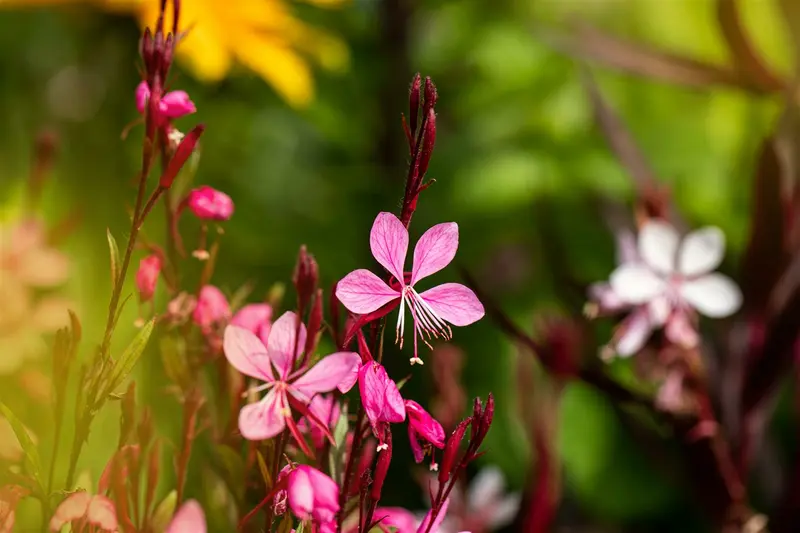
[(388, 241), (331, 372), (264, 419), (487, 486), (102, 513), (658, 246), (434, 250), (437, 522), (633, 333), (455, 303), (713, 295), (402, 520), (246, 353), (701, 251), (502, 513), (362, 292), (72, 508), (626, 248), (636, 284), (281, 346), (189, 519), (379, 395)]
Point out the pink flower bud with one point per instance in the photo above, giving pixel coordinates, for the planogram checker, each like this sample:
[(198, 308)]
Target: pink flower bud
[(174, 104), (256, 318), (413, 102), (208, 203), (147, 276), (313, 495), (422, 427), (212, 308)]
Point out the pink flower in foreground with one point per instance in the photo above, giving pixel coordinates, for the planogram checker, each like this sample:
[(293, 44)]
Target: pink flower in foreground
[(189, 519), (211, 309), (256, 318), (147, 276), (81, 509), (362, 292), (208, 203), (173, 104), (269, 416), (423, 430), (381, 398), (669, 281), (313, 496)]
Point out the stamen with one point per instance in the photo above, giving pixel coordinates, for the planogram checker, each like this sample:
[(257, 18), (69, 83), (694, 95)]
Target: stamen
[(260, 388), (382, 447), (401, 321), (416, 361)]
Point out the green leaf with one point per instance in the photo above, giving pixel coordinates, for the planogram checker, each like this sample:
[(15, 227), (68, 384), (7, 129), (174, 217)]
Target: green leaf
[(31, 461), (164, 512), (337, 452), (115, 262), (124, 365), (262, 465), (173, 356)]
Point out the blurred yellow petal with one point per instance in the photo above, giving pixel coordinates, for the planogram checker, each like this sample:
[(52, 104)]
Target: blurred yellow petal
[(329, 51), (327, 3)]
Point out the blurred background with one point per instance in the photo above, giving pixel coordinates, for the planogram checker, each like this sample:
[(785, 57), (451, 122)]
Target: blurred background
[(302, 103)]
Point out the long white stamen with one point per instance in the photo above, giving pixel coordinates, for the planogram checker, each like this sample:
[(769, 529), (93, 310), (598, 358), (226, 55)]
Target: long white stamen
[(441, 324), (400, 321), (260, 388)]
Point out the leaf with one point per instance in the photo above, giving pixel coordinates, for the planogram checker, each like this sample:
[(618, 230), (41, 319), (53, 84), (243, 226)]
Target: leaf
[(124, 365), (262, 466), (337, 452), (115, 262), (173, 357), (31, 461), (286, 524), (164, 512)]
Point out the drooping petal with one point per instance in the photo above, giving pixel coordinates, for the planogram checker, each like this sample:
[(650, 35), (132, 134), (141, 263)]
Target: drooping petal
[(264, 419), (72, 508), (658, 246), (363, 292), (281, 346), (701, 251), (102, 513), (416, 447), (331, 372), (388, 241), (633, 333), (402, 520), (189, 519), (659, 309), (427, 427), (246, 353), (434, 250), (455, 303), (713, 295), (379, 394), (636, 284)]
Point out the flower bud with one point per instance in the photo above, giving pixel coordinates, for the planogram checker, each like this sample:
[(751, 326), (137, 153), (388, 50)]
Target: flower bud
[(182, 153), (305, 277), (382, 465), (147, 276), (451, 449), (212, 308), (430, 94), (428, 140), (413, 102)]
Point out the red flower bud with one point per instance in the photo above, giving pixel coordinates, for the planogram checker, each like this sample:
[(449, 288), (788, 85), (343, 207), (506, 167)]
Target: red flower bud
[(428, 140), (314, 323), (451, 449), (306, 275), (413, 102), (382, 465), (430, 94), (182, 153)]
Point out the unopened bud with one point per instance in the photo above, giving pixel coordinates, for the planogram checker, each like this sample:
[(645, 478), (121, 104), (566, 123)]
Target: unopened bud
[(477, 415), (146, 48), (413, 102), (306, 275), (382, 465), (314, 323), (430, 94), (488, 417), (451, 449), (182, 153), (363, 349), (428, 140)]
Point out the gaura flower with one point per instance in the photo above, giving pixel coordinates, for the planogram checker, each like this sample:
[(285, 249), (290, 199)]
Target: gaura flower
[(423, 431), (208, 203), (212, 308), (9, 498), (147, 276), (313, 496), (667, 283), (255, 318), (381, 399), (174, 104), (484, 506), (363, 292), (269, 416), (189, 519), (81, 509)]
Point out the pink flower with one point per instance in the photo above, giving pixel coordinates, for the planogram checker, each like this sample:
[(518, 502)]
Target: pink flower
[(423, 430), (363, 292), (208, 203), (402, 520), (81, 508), (211, 309), (256, 318), (381, 398), (325, 408), (147, 276), (189, 519), (174, 104), (269, 416), (313, 496)]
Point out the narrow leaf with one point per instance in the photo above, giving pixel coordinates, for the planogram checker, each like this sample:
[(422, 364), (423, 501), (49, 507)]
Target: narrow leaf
[(115, 261), (164, 512), (124, 365), (31, 461), (336, 455), (262, 466)]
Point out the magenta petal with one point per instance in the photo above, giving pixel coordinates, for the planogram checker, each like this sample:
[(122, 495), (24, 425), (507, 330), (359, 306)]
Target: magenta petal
[(264, 419), (142, 94), (281, 346), (176, 104), (246, 353), (416, 448), (402, 520), (328, 374), (424, 424), (189, 519), (388, 241), (379, 394), (362, 292), (423, 527), (434, 250), (455, 303)]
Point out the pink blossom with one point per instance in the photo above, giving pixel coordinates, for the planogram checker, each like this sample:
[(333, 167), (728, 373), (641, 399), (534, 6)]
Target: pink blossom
[(269, 416), (212, 308), (173, 104), (208, 203), (402, 520), (423, 430), (325, 408), (256, 318), (189, 519), (362, 292), (313, 496), (381, 398), (147, 276), (80, 508)]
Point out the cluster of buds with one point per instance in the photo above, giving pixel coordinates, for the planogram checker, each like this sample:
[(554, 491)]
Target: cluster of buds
[(421, 136)]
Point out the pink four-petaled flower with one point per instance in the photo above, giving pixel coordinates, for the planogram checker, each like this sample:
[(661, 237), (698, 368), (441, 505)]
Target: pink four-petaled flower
[(313, 496), (362, 292)]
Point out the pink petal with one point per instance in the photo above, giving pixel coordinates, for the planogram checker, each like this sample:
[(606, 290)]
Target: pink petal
[(264, 419), (634, 332), (282, 347), (423, 527), (189, 519), (402, 520), (362, 292), (713, 295), (636, 284), (176, 104), (680, 330), (379, 394), (424, 424), (142, 94), (416, 447), (72, 508), (434, 250), (329, 373), (455, 303), (102, 513), (388, 241), (246, 353)]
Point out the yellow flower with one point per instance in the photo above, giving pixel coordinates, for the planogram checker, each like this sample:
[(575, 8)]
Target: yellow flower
[(262, 35)]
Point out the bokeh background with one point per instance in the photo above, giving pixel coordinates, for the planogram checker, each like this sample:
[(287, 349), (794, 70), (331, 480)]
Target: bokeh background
[(303, 132)]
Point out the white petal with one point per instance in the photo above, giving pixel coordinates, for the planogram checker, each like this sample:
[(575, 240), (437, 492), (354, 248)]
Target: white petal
[(487, 486), (701, 251), (636, 284), (502, 512), (634, 332), (713, 295), (658, 246)]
